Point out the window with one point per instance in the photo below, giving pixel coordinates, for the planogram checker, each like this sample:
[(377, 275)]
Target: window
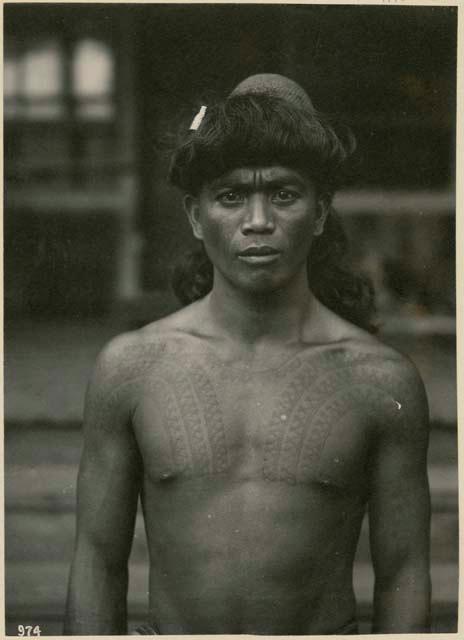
[(50, 81), (59, 112)]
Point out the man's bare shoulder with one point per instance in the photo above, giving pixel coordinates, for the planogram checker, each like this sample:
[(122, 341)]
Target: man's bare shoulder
[(128, 355), (188, 322), (126, 362), (379, 365), (399, 396), (359, 344), (398, 369), (122, 356), (118, 365)]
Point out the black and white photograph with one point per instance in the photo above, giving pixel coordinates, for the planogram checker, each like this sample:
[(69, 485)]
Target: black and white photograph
[(230, 390)]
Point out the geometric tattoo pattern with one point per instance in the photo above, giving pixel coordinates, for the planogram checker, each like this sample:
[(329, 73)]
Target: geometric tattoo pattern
[(312, 397)]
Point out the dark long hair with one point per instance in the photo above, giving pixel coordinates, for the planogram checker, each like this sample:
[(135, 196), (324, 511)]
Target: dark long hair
[(262, 130)]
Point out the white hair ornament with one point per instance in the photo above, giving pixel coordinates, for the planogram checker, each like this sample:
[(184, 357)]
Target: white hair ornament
[(198, 119)]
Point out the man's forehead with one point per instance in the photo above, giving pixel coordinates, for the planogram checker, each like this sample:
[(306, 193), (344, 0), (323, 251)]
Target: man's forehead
[(260, 175)]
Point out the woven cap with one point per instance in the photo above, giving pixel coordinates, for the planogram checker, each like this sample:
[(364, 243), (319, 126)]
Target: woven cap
[(275, 85)]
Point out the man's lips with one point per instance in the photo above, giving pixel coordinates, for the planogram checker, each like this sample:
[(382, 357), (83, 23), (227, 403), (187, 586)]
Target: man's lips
[(259, 254), (259, 250)]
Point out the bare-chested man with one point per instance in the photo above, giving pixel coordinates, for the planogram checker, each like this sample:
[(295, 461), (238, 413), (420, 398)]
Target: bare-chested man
[(259, 422)]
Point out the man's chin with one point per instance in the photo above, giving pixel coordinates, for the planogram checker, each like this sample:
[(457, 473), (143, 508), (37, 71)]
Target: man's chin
[(262, 284)]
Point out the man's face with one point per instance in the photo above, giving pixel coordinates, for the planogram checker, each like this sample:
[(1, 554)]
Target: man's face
[(257, 225)]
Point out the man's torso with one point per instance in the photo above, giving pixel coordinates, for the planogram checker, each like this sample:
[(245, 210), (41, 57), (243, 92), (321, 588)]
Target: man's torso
[(255, 483)]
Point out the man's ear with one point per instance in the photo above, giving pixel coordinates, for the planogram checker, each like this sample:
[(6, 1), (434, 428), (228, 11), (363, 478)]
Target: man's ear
[(323, 206), (192, 209)]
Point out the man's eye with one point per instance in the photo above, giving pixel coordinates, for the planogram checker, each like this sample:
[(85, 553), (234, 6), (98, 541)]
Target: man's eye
[(285, 196), (231, 197)]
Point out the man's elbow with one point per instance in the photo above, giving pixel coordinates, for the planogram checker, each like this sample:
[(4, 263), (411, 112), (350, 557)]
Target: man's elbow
[(406, 572), (101, 554), (402, 600)]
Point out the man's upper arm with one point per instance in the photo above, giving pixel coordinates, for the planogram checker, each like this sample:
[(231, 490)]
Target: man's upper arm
[(110, 468), (399, 502)]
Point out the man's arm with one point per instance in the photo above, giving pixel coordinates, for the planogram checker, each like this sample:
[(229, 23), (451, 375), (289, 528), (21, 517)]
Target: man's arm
[(107, 494), (399, 509)]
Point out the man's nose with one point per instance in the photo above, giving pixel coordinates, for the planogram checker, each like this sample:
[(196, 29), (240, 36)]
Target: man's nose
[(259, 217)]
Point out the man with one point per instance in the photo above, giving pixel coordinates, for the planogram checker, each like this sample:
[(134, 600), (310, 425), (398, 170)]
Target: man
[(259, 421)]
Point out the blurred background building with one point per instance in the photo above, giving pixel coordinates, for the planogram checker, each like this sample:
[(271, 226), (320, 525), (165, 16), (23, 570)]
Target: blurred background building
[(92, 230)]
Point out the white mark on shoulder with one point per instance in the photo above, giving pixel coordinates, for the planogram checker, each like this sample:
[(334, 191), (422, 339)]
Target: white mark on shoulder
[(398, 404)]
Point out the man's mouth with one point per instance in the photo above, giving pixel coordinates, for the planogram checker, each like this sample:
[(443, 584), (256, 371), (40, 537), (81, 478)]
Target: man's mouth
[(259, 254), (259, 250)]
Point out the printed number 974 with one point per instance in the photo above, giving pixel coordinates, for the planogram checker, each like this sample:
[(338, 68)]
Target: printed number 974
[(28, 630)]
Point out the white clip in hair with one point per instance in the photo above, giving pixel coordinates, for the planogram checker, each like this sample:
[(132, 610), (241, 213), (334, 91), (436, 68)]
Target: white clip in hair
[(198, 119)]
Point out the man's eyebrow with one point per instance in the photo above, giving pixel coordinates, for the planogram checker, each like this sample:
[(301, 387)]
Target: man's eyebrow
[(233, 183), (284, 180)]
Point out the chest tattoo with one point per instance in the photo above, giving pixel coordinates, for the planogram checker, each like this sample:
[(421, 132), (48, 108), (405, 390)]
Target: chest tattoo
[(305, 421), (194, 421)]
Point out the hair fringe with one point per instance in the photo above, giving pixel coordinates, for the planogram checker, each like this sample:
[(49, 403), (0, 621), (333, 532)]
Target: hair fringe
[(248, 130)]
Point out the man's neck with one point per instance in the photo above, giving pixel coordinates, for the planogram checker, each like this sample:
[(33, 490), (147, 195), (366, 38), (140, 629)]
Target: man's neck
[(251, 318)]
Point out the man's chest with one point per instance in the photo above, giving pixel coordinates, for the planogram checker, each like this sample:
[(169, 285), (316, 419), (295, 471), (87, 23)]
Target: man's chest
[(304, 422)]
